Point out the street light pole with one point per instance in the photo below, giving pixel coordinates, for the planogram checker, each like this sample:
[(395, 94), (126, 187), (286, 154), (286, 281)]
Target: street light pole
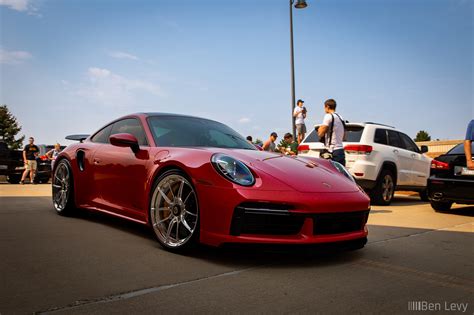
[(292, 57), (300, 4)]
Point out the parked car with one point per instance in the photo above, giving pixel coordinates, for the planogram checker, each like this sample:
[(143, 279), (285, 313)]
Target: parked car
[(43, 172), (450, 181), (195, 180), (381, 158), (11, 163)]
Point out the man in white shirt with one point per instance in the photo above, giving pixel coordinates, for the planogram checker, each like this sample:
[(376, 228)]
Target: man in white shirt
[(300, 114), (332, 128)]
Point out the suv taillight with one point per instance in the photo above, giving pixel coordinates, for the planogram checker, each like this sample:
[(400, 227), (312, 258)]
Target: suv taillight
[(438, 165), (358, 149)]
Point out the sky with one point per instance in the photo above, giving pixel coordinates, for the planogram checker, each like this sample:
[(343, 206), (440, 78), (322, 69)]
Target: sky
[(72, 66)]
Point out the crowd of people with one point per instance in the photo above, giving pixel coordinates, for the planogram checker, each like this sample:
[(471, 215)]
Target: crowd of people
[(330, 132)]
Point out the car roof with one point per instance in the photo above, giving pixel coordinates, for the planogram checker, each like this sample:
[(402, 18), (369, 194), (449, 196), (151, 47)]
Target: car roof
[(363, 124)]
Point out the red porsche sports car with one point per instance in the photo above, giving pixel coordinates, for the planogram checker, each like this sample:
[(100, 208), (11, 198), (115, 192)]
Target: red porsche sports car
[(195, 180)]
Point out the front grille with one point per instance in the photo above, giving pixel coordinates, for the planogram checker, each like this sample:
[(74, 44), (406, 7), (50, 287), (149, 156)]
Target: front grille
[(276, 219), (341, 222), (264, 218)]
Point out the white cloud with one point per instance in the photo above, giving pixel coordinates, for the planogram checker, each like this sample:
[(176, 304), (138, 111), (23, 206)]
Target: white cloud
[(122, 55), (21, 5), (13, 56), (105, 87), (244, 120)]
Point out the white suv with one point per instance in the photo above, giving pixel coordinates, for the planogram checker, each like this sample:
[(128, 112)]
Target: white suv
[(381, 159)]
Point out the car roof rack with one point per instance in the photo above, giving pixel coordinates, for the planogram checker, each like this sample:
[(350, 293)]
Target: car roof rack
[(374, 123)]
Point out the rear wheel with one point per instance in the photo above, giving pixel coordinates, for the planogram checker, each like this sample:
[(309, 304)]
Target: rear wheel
[(63, 189), (441, 205), (424, 195), (174, 211), (384, 189)]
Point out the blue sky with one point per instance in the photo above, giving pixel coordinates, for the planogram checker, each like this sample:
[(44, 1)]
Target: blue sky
[(71, 66)]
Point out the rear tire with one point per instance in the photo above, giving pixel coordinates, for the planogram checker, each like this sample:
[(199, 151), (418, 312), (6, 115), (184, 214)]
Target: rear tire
[(441, 206), (174, 211), (424, 195), (63, 189), (384, 189)]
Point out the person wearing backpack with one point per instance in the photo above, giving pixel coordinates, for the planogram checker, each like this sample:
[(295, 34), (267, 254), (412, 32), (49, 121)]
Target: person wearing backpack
[(332, 129)]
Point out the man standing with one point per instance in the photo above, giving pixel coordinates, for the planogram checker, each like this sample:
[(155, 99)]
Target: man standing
[(250, 139), (332, 129), (468, 145), (269, 145), (289, 147), (30, 152), (300, 114)]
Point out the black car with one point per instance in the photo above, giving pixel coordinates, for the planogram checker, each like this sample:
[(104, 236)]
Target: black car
[(43, 171), (11, 163), (450, 180)]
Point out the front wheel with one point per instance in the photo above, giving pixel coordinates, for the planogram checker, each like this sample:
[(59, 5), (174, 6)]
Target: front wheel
[(63, 189), (174, 211), (384, 189)]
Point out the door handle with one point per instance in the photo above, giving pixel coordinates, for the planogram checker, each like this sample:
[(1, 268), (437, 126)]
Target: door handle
[(395, 151), (413, 155)]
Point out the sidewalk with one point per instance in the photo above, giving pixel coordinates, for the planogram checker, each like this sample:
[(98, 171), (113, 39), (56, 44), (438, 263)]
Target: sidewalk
[(27, 190)]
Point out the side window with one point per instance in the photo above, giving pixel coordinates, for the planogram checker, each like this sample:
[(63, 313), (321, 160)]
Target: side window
[(312, 137), (394, 139), (131, 126), (409, 144), (102, 136), (381, 136)]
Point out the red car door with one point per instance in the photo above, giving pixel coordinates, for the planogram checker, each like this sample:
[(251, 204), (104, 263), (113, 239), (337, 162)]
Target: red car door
[(120, 175)]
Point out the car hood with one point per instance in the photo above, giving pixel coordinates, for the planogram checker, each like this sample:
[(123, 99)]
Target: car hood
[(301, 174)]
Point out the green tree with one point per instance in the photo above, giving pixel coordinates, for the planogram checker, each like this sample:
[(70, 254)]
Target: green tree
[(422, 136), (9, 128)]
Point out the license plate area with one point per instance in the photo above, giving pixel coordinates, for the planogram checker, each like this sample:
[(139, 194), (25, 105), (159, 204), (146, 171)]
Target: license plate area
[(463, 171)]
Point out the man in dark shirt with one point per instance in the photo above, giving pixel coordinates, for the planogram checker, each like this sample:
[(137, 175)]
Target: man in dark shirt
[(30, 152)]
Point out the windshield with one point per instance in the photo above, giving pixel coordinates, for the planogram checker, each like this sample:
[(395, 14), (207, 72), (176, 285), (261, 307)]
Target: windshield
[(178, 131), (459, 149)]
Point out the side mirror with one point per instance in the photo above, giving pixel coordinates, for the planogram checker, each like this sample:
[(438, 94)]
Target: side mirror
[(424, 148), (125, 140)]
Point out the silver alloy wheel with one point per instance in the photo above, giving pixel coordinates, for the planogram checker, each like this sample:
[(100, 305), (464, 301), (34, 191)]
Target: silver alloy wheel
[(387, 188), (61, 187), (174, 211)]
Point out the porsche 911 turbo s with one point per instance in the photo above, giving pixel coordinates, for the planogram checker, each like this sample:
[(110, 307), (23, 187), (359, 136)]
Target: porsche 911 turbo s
[(450, 180), (195, 180)]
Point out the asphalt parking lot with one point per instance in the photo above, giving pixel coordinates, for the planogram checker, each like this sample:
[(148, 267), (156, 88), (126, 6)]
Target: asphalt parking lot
[(92, 264)]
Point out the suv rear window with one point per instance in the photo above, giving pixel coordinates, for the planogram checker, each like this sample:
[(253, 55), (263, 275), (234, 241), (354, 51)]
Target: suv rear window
[(353, 133), (459, 149)]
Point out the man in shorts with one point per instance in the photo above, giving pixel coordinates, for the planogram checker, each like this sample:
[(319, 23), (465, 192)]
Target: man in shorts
[(468, 145), (300, 114), (30, 152)]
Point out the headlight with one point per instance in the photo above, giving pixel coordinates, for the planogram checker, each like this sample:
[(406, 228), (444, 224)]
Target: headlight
[(233, 169), (18, 168), (343, 170)]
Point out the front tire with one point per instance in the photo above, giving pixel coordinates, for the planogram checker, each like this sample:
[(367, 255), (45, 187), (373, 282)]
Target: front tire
[(384, 189), (63, 189), (174, 211), (15, 179), (441, 206)]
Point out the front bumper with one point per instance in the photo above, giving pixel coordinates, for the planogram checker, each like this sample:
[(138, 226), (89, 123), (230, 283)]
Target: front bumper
[(280, 217), (459, 190)]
